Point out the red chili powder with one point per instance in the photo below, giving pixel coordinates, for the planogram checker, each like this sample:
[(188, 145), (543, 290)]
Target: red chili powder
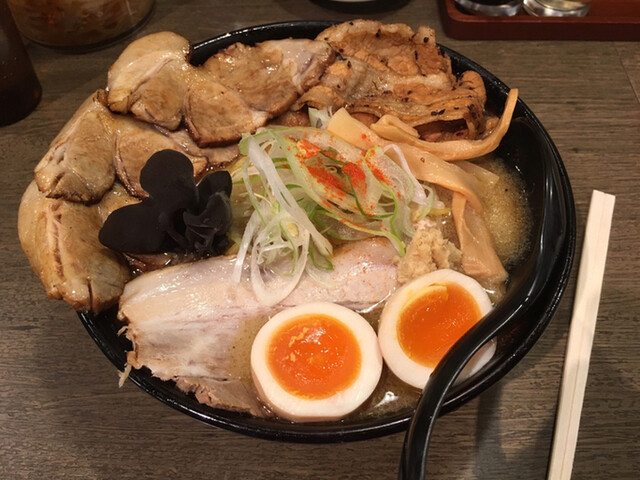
[(332, 154), (355, 173), (307, 149), (325, 177), (378, 173)]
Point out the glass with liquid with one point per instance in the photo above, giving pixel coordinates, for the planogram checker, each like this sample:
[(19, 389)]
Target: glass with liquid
[(20, 89), (557, 8), (78, 25)]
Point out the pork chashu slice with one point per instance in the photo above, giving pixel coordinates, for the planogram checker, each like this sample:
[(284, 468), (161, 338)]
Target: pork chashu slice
[(234, 92), (149, 79), (97, 146), (60, 238), (79, 163), (191, 324), (390, 69)]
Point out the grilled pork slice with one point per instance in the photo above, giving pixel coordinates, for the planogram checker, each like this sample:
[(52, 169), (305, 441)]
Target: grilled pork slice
[(234, 92), (390, 47), (390, 69), (191, 324)]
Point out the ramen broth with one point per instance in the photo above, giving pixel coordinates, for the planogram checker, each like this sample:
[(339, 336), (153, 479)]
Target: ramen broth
[(507, 215)]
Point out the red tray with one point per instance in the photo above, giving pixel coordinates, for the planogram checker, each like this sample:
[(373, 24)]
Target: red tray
[(606, 20)]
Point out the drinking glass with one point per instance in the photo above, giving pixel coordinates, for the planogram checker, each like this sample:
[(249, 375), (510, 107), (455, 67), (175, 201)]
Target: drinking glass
[(20, 89), (78, 25)]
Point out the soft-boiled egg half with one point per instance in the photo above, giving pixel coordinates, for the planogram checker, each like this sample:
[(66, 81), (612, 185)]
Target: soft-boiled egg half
[(423, 319), (317, 361)]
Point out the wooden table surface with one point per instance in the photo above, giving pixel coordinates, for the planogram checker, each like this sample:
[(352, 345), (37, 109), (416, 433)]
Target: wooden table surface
[(63, 416)]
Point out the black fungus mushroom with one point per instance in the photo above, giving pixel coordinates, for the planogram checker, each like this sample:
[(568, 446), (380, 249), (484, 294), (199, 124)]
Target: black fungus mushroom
[(178, 216)]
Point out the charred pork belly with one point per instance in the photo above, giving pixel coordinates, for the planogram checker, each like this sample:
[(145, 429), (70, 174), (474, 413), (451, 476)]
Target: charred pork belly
[(390, 69)]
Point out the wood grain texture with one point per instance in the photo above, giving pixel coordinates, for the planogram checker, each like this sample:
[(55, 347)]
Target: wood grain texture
[(62, 415)]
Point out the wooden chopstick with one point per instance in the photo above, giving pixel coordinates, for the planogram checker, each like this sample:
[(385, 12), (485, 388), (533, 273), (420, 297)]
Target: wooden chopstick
[(581, 332)]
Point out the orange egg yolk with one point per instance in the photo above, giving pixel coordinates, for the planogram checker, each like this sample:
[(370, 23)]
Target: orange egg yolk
[(432, 323), (314, 356)]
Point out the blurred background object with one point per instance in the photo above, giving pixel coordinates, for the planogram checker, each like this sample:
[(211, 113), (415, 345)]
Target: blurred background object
[(79, 25), (362, 6), (557, 8), (493, 8), (20, 89)]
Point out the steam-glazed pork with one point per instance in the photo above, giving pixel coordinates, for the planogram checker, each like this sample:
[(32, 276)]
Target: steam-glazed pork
[(96, 144), (74, 191), (148, 79), (234, 92), (185, 321), (61, 240), (79, 164), (136, 141)]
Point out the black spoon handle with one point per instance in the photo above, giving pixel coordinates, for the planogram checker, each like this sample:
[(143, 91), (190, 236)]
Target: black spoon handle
[(527, 287), (414, 452)]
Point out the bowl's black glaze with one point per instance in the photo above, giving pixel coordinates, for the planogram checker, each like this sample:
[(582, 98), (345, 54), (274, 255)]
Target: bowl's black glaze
[(528, 148)]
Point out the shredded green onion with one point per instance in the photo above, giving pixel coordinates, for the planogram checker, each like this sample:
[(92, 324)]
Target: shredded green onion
[(305, 186)]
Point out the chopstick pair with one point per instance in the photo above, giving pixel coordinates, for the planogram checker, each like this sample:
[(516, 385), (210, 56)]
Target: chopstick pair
[(581, 333)]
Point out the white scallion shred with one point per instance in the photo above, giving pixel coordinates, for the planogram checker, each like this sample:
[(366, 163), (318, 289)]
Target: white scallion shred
[(419, 196), (319, 118), (264, 164)]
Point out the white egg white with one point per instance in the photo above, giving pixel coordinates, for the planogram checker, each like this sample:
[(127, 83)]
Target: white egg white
[(405, 368), (296, 408)]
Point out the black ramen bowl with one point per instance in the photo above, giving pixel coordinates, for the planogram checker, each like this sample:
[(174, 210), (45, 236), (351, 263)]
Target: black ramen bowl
[(536, 284)]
